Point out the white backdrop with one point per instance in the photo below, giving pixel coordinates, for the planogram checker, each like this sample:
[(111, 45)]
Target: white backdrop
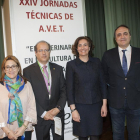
[(57, 22)]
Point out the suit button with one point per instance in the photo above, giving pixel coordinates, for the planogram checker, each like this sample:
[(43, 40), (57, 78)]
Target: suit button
[(124, 88), (125, 78)]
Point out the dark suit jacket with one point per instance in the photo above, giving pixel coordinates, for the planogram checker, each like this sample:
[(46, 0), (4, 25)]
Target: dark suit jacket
[(85, 82), (58, 91), (118, 83)]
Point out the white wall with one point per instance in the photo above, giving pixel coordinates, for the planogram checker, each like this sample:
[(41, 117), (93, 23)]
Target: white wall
[(60, 29)]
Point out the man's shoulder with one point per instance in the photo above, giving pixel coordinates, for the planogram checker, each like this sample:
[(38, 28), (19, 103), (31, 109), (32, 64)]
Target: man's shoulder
[(135, 49), (54, 65), (30, 67), (135, 52), (112, 50)]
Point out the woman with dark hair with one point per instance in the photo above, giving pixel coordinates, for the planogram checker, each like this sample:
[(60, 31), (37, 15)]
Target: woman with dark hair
[(17, 102), (86, 91)]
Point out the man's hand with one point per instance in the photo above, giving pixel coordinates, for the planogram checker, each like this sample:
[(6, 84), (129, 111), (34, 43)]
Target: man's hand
[(48, 116), (51, 114), (54, 111)]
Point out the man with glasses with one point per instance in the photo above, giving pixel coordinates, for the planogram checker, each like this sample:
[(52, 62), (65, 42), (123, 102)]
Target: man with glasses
[(48, 84)]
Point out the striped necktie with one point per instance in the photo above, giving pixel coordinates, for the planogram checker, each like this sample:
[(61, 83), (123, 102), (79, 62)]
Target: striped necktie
[(46, 78)]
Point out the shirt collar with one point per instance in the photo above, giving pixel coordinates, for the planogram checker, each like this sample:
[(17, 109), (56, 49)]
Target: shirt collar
[(128, 49), (43, 65)]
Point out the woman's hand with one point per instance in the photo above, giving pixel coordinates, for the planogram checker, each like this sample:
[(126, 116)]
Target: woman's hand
[(20, 131), (104, 111), (76, 116), (12, 136)]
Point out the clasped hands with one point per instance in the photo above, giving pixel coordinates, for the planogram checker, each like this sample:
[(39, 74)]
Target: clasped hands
[(51, 114), (14, 135)]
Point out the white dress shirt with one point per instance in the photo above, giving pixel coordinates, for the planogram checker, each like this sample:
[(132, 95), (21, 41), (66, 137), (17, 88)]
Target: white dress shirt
[(127, 53)]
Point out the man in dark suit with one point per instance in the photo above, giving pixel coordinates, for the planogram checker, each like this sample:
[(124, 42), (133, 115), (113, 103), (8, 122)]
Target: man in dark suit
[(122, 72), (48, 84)]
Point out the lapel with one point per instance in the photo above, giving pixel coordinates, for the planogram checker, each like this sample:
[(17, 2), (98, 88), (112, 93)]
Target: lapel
[(40, 77), (116, 57), (52, 69), (132, 63), (118, 63)]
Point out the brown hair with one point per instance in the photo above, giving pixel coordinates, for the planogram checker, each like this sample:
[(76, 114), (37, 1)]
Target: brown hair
[(11, 57), (75, 45)]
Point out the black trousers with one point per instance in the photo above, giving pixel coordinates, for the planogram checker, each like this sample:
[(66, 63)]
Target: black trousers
[(43, 131), (28, 135)]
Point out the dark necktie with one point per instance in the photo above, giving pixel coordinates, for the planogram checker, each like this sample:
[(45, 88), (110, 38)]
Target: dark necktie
[(124, 63)]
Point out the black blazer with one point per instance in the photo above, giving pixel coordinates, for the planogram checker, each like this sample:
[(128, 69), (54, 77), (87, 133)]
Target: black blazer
[(118, 83), (58, 89), (84, 81)]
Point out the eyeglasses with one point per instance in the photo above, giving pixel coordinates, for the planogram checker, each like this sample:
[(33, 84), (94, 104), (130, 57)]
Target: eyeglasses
[(13, 67), (41, 51)]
